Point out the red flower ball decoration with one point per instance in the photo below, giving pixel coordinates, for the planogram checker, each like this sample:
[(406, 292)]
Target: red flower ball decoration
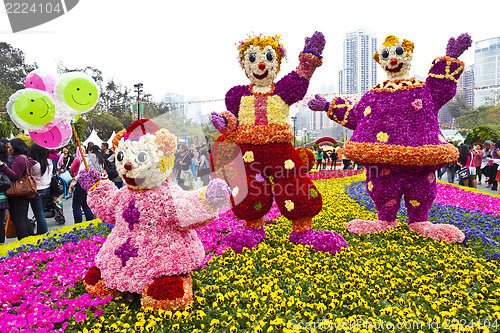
[(168, 287), (93, 276), (307, 157)]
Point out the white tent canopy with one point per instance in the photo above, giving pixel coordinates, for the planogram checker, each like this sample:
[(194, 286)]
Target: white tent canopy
[(110, 140), (93, 137)]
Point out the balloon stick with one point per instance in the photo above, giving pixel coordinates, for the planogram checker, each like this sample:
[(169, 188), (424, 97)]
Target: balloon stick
[(79, 146)]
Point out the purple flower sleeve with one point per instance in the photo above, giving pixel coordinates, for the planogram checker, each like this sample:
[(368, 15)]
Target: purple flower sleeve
[(345, 112), (233, 98), (443, 78), (291, 88)]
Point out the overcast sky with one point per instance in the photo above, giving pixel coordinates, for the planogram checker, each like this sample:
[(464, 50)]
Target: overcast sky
[(188, 47)]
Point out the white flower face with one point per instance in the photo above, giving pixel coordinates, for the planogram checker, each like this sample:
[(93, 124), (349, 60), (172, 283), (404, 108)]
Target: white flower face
[(395, 61), (261, 66), (138, 163)]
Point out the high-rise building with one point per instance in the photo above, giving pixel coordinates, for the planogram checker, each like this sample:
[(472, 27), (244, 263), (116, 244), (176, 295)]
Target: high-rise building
[(359, 70), (486, 70), (466, 86)]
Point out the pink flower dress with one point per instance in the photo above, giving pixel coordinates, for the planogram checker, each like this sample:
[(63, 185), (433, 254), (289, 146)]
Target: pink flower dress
[(153, 234)]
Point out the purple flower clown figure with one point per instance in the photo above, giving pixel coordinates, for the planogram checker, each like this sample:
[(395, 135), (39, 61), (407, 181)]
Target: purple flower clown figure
[(397, 136), (153, 246), (257, 117)]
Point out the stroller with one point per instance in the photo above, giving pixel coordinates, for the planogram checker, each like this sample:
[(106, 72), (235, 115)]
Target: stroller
[(54, 206)]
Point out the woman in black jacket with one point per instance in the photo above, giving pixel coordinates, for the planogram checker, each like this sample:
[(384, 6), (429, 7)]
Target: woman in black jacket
[(18, 206)]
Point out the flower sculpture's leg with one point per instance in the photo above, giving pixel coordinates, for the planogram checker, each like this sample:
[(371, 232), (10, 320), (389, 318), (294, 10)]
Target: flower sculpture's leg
[(169, 293), (251, 199), (299, 200), (95, 286), (321, 240), (385, 188), (418, 200)]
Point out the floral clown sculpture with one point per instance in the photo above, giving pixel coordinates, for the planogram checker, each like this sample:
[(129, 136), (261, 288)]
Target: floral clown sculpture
[(397, 136), (257, 118), (152, 247)]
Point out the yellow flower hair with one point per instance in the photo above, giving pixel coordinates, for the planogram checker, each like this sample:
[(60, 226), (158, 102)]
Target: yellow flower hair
[(261, 42), (392, 40)]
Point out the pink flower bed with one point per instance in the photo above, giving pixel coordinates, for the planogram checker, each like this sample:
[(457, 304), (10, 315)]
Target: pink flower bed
[(454, 196), (33, 288), (328, 174)]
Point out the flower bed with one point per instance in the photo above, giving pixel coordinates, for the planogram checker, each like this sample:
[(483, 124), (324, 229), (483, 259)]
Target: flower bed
[(394, 277)]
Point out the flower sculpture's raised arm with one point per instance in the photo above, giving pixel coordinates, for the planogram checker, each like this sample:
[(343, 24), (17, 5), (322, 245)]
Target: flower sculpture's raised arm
[(101, 200), (340, 110), (445, 71), (293, 87), (197, 208)]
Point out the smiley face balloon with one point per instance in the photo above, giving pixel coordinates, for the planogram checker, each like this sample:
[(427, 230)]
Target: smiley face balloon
[(31, 109), (34, 80), (54, 135), (78, 91)]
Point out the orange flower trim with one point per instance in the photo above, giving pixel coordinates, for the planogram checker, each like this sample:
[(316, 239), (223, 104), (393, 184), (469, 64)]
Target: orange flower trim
[(170, 304), (301, 225), (400, 84), (117, 138), (232, 122), (100, 289), (264, 134), (165, 141), (259, 93), (374, 152)]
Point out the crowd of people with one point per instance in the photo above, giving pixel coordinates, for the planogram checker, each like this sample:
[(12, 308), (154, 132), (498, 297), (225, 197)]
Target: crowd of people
[(190, 164), (329, 156), (17, 160), (476, 164)]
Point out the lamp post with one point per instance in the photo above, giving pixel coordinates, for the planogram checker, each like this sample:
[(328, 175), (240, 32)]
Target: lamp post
[(138, 90), (294, 119)]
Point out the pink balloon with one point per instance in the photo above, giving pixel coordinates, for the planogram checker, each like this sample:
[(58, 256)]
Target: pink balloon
[(34, 80), (50, 83), (57, 136)]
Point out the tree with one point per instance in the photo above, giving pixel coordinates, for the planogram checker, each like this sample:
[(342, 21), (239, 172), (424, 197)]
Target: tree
[(103, 123), (457, 106), (13, 66), (481, 132)]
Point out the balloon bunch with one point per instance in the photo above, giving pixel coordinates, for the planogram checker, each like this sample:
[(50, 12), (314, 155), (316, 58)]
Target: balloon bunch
[(48, 105)]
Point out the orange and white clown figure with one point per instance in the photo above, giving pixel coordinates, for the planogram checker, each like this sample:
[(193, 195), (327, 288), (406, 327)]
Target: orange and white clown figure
[(257, 117)]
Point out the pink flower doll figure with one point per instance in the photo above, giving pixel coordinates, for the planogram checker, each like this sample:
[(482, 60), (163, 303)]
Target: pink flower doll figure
[(152, 247), (397, 136), (257, 117)]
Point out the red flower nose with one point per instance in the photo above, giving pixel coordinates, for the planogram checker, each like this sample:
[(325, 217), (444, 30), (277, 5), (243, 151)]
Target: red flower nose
[(128, 166), (394, 62), (262, 65)]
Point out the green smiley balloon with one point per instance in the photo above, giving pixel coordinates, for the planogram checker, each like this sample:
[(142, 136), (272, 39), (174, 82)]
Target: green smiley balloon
[(34, 108), (78, 91)]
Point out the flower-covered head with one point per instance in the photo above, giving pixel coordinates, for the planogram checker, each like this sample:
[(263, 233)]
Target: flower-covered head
[(395, 57), (260, 57), (145, 155)]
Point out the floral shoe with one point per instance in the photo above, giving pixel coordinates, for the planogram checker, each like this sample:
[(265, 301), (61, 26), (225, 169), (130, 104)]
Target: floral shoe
[(95, 286), (325, 241), (248, 237), (369, 227), (437, 232), (169, 293)]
